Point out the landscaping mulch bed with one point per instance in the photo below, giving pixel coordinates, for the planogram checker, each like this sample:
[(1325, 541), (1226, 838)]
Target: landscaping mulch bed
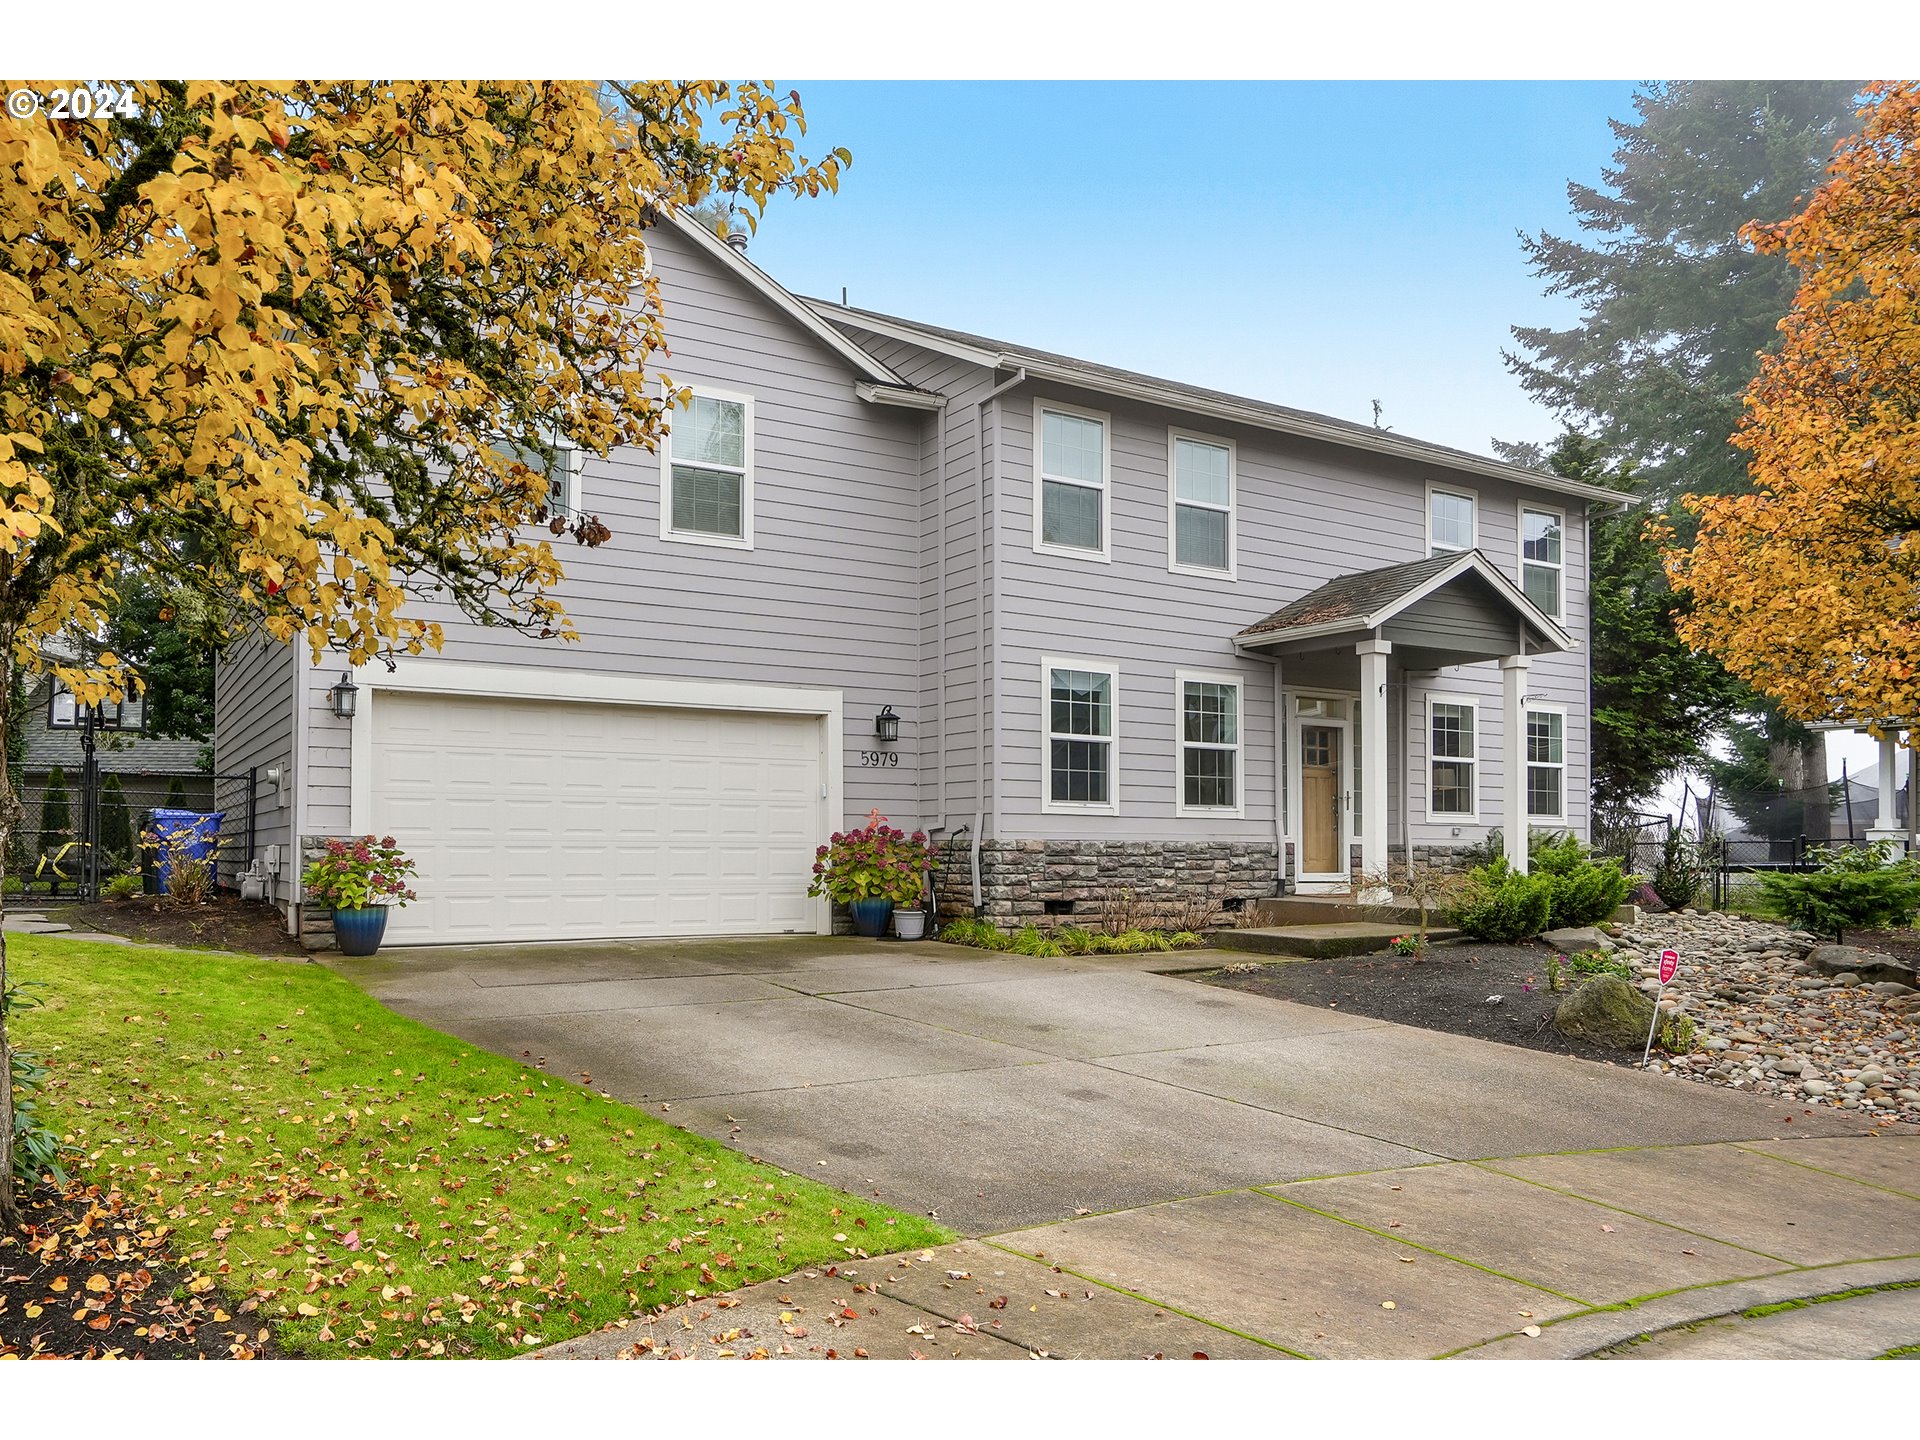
[(1901, 944), (90, 1279), (224, 922), (1448, 989)]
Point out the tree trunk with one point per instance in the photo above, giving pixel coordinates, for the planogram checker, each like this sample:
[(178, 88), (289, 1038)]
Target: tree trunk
[(10, 1217), (1801, 769)]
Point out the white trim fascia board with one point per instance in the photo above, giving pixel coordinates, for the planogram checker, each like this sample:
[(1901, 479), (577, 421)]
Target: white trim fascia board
[(699, 389), (910, 334), (1237, 810), (1472, 702), (1036, 465), (1111, 669), (898, 396), (1458, 492), (783, 299), (1553, 707), (1173, 397), (1559, 512), (1175, 434)]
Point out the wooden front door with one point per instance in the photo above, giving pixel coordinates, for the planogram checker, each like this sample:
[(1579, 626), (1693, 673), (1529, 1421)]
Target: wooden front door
[(1320, 800)]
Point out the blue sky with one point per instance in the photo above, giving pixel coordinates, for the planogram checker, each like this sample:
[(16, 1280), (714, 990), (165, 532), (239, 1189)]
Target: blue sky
[(1321, 244)]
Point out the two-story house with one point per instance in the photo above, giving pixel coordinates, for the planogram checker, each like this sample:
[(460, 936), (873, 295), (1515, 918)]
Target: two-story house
[(1092, 629)]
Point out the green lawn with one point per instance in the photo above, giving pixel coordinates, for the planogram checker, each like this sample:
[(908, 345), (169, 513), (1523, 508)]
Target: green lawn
[(377, 1188)]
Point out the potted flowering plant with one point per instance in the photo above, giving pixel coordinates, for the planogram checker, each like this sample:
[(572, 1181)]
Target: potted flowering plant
[(361, 880), (872, 869)]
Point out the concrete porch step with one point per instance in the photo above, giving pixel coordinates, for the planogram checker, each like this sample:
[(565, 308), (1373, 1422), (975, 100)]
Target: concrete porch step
[(1320, 942), (1329, 909)]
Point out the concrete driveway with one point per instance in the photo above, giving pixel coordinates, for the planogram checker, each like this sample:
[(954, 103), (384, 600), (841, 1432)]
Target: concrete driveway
[(1159, 1136)]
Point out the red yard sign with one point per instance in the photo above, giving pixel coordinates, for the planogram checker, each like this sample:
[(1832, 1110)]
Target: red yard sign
[(1669, 963)]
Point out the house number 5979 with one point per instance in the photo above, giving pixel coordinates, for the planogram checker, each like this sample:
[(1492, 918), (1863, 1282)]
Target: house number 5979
[(884, 759)]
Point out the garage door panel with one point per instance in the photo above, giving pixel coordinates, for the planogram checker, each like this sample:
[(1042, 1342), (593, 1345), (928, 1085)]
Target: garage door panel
[(552, 820)]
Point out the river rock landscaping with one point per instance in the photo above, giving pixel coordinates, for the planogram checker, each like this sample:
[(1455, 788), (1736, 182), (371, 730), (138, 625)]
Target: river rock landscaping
[(1783, 1012)]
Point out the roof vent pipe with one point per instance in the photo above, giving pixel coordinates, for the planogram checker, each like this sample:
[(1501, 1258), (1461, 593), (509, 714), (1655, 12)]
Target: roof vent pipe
[(738, 240)]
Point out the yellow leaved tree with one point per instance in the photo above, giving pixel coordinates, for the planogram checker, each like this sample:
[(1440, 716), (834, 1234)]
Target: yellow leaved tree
[(1807, 586), (285, 352)]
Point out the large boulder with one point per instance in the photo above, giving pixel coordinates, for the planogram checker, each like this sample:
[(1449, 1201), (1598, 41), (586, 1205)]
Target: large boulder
[(1867, 964), (1572, 941), (1607, 1011)]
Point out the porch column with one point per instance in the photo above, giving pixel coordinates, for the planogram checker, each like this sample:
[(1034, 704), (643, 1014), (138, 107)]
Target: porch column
[(1886, 822), (1513, 746), (1373, 750)]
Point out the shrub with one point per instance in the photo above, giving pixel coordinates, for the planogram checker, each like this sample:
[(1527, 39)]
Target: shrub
[(1582, 890), (353, 875), (1679, 877), (121, 887), (37, 1149), (1185, 940), (176, 795), (969, 931), (1029, 940), (1073, 940), (56, 813), (1502, 905), (116, 824), (875, 861), (1855, 888)]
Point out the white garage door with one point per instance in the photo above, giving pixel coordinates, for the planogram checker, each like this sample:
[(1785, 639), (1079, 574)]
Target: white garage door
[(556, 820)]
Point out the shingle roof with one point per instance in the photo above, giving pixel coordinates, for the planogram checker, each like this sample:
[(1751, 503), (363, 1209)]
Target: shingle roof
[(847, 317), (1352, 596)]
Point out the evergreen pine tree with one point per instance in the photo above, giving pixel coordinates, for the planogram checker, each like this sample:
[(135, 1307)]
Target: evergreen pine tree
[(56, 813), (177, 794), (116, 826)]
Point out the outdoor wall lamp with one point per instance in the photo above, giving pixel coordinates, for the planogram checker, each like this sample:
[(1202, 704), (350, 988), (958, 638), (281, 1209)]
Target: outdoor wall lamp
[(344, 697), (886, 724)]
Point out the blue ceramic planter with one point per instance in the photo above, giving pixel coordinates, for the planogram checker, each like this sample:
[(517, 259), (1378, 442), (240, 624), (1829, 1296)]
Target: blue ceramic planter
[(870, 916), (358, 932)]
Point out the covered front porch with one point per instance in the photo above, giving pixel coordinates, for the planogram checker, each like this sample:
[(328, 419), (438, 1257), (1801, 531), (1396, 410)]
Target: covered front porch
[(1349, 659)]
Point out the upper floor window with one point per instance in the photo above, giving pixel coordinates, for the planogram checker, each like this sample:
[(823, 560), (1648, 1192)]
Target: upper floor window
[(1078, 759), (1071, 462), (1542, 563), (1546, 764), (1450, 520), (63, 713), (1200, 483), (1453, 759), (707, 458), (562, 471), (1209, 743)]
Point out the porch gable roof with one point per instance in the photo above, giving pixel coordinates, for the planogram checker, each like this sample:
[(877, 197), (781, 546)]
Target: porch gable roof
[(1368, 599)]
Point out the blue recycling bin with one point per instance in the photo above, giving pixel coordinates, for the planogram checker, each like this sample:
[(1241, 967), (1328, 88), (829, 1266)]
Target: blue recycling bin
[(202, 836)]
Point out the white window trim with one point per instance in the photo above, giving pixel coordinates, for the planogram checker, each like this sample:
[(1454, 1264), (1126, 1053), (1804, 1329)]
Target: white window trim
[(1111, 669), (1539, 708), (1104, 555), (1560, 565), (1238, 809), (1175, 434), (1452, 817), (1461, 492), (743, 541)]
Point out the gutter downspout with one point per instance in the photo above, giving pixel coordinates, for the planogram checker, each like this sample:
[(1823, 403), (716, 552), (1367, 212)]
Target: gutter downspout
[(989, 534)]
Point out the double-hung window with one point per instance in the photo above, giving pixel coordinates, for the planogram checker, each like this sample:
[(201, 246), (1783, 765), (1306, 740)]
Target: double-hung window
[(1200, 483), (1209, 745), (562, 471), (1542, 557), (708, 461), (1546, 765), (1450, 520), (1080, 703), (1453, 789), (1071, 464)]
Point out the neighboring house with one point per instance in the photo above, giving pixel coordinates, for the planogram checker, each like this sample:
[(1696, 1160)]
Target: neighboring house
[(1854, 816), (1135, 634), (147, 765)]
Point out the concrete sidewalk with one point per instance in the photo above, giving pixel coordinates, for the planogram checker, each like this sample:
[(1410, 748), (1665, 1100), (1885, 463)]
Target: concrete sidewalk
[(1289, 1180)]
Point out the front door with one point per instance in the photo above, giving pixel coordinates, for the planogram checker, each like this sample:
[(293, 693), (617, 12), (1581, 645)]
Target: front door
[(1321, 799)]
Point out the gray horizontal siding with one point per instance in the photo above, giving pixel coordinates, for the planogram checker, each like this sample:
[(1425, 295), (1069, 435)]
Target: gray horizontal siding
[(253, 695), (829, 597)]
